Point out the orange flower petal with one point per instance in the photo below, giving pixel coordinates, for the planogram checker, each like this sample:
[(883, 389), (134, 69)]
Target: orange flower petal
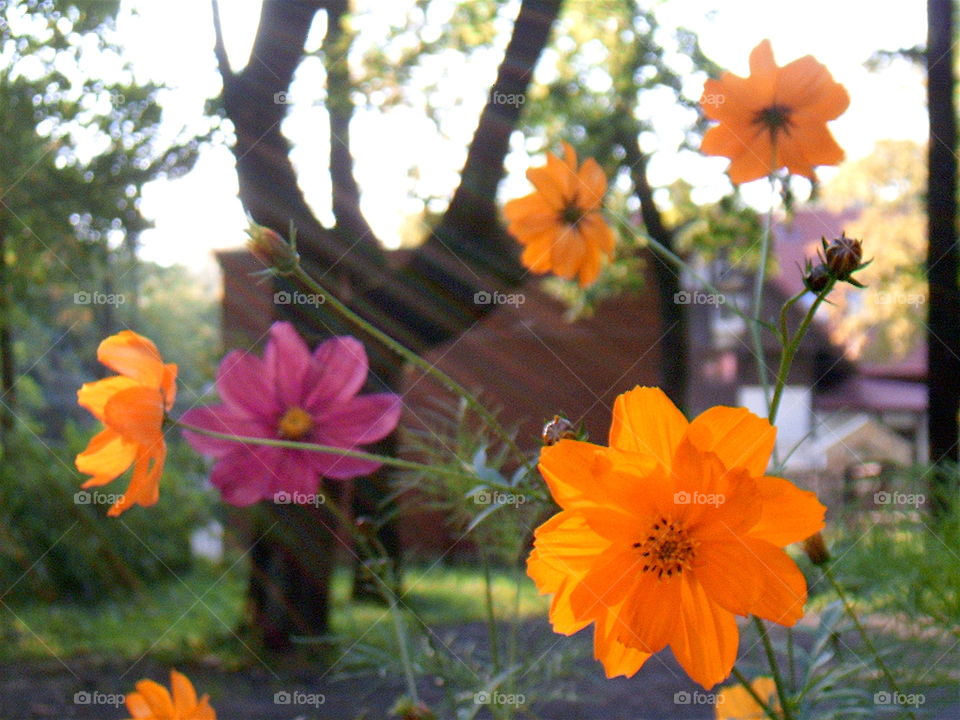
[(106, 457), (605, 585), (737, 436), (807, 85), (646, 421), (133, 355), (591, 185), (554, 182), (726, 572), (784, 589), (157, 698), (569, 251), (144, 487), (184, 696), (94, 395), (564, 550), (707, 637), (819, 145), (763, 70), (789, 514), (537, 255), (204, 711), (617, 658), (595, 228), (137, 705), (735, 703), (649, 614), (136, 413)]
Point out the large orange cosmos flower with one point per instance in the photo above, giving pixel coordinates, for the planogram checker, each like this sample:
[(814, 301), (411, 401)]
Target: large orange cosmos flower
[(669, 533), (152, 701), (131, 405), (560, 223), (776, 117)]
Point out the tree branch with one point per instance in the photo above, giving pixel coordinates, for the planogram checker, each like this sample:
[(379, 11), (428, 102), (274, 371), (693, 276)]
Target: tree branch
[(219, 47)]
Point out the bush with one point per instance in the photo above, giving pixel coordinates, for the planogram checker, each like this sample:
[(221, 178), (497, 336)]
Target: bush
[(55, 544)]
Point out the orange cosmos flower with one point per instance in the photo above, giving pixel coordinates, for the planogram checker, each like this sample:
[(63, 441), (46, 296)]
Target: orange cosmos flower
[(669, 533), (152, 701), (560, 224), (735, 703), (131, 405), (776, 117)]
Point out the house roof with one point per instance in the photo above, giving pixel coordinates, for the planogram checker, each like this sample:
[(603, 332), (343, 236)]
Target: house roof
[(874, 395)]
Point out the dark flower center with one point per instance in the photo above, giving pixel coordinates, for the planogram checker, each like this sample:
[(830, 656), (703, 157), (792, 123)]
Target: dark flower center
[(774, 118), (572, 214), (295, 424), (667, 549)]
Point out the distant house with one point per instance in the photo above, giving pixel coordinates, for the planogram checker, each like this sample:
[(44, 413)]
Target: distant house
[(836, 413)]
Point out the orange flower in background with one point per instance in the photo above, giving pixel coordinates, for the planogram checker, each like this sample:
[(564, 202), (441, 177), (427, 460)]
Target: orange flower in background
[(131, 405), (735, 703), (670, 532), (560, 224), (775, 118), (152, 701)]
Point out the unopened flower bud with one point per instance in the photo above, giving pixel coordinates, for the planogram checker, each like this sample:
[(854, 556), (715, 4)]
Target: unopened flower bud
[(558, 429), (842, 256), (815, 278), (816, 549), (272, 250)]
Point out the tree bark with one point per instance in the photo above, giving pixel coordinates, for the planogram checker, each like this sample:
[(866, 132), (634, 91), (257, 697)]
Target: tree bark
[(943, 263), (422, 301)]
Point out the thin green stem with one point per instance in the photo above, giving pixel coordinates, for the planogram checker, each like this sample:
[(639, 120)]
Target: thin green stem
[(768, 711), (491, 614), (851, 613), (774, 668), (758, 287), (329, 449), (410, 356)]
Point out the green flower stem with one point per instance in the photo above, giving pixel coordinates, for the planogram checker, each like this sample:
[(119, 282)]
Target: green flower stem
[(792, 345), (758, 286), (411, 357), (774, 668), (862, 631), (329, 449), (769, 711)]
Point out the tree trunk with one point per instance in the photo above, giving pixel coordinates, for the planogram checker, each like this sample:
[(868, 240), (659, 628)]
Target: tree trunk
[(943, 328)]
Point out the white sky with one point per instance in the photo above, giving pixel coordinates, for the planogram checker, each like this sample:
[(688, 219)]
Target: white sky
[(200, 212)]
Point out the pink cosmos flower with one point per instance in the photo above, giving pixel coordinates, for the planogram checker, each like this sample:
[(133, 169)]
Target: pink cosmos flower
[(291, 394)]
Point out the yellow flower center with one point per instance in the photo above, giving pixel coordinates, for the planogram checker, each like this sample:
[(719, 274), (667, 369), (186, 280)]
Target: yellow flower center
[(295, 424), (668, 548)]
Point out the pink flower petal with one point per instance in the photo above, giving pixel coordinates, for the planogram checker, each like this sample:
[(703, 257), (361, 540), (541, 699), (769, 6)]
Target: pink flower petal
[(287, 360), (243, 385), (361, 420), (340, 369), (244, 476), (295, 475), (223, 419)]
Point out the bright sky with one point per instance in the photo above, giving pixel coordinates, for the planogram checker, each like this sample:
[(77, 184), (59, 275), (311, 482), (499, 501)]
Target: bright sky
[(200, 212)]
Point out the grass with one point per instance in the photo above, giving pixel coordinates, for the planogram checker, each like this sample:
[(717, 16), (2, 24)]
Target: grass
[(197, 615)]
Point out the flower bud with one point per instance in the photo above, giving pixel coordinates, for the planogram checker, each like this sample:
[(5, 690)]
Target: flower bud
[(272, 250), (816, 549), (842, 256), (815, 279), (558, 429)]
